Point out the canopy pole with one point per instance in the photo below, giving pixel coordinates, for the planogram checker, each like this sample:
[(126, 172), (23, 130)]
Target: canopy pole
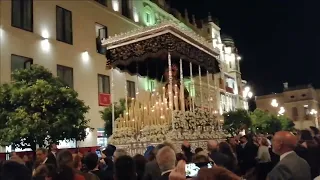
[(170, 81), (112, 98), (191, 88), (200, 82), (137, 81), (209, 92), (182, 98)]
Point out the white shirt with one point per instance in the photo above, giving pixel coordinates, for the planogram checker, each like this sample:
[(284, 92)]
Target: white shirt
[(166, 172), (285, 154), (44, 161)]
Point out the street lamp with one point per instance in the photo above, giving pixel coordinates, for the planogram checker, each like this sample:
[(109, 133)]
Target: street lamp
[(247, 93), (315, 113)]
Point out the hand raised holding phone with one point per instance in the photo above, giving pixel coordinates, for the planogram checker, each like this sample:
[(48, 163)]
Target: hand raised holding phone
[(179, 173)]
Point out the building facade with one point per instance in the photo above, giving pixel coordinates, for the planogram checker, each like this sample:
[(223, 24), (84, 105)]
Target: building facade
[(65, 37), (300, 104)]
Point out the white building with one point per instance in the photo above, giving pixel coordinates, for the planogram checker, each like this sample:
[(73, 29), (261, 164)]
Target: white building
[(62, 36)]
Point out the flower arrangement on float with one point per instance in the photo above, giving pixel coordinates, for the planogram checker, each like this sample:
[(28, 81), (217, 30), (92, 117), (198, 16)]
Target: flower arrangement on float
[(122, 136)]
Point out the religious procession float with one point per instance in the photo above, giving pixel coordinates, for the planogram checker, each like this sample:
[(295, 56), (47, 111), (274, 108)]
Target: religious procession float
[(182, 105)]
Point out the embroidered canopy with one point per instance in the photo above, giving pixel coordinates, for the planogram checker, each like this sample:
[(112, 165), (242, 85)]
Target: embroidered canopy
[(145, 51)]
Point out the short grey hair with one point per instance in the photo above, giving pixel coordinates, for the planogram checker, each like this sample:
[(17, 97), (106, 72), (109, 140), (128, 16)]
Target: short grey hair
[(166, 159), (120, 152)]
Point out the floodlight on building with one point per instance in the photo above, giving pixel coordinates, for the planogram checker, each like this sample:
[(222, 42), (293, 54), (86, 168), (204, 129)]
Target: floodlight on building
[(239, 58), (274, 103), (45, 45), (45, 34), (85, 56)]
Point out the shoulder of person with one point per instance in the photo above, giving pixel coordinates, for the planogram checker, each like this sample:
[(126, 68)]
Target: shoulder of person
[(280, 171)]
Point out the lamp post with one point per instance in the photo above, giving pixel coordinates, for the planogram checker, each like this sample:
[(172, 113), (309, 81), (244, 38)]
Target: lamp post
[(247, 94), (315, 113)]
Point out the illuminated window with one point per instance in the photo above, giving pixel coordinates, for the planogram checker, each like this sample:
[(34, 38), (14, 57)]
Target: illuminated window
[(65, 74), (22, 14), (101, 33), (103, 84), (64, 25)]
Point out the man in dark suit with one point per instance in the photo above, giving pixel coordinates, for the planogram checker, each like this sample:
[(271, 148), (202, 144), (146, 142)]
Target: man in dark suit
[(247, 153), (166, 159), (53, 150), (290, 166)]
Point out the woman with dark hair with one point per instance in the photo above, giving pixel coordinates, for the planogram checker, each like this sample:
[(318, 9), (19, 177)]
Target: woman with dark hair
[(140, 163), (309, 150), (225, 148), (65, 167)]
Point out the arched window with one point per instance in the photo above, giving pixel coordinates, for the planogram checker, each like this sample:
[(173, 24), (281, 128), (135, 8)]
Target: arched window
[(295, 113)]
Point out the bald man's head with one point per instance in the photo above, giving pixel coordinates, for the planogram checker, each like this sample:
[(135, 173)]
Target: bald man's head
[(212, 145), (284, 141)]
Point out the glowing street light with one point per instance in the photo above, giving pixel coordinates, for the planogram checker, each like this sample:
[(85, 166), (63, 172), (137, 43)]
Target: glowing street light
[(247, 93), (315, 113)]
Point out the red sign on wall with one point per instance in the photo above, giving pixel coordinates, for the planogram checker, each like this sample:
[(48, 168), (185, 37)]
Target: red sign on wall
[(104, 99)]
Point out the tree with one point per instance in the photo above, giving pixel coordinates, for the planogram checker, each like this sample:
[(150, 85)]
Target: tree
[(264, 122), (234, 121), (38, 109), (106, 115)]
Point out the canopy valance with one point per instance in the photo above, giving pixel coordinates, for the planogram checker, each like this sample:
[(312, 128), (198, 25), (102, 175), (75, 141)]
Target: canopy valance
[(154, 44)]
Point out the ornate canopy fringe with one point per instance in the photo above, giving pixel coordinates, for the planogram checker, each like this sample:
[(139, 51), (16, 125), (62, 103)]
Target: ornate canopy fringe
[(155, 42)]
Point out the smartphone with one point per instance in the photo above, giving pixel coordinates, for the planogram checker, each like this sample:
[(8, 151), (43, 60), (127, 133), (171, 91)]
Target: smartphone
[(98, 152), (192, 169)]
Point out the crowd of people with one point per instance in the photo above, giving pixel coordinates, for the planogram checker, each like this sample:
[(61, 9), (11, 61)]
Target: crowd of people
[(282, 156)]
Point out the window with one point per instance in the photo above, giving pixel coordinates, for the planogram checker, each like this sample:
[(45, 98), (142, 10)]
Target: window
[(65, 74), (148, 17), (125, 8), (230, 64), (103, 84), (64, 25), (20, 62), (295, 113), (102, 2), (292, 97), (22, 14), (131, 89), (306, 112), (101, 33), (303, 95)]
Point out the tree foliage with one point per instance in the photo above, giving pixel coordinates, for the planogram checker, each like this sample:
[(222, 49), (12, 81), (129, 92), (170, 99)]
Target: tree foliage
[(38, 108), (265, 122), (234, 121), (106, 115)]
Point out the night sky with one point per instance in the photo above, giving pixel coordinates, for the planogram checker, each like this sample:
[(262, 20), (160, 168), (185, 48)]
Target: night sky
[(277, 39)]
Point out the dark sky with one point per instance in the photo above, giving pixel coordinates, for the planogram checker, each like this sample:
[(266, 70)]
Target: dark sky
[(278, 39)]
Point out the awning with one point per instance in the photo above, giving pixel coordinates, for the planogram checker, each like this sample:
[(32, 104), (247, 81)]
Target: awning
[(149, 47)]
